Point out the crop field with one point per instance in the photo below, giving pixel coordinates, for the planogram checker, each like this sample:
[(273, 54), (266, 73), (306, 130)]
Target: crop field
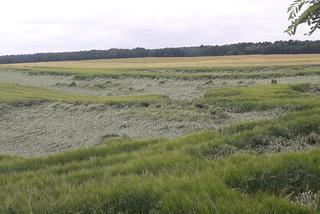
[(184, 62), (238, 134)]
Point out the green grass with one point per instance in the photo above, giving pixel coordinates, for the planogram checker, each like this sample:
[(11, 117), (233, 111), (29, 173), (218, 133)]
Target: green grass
[(203, 172), (261, 97), (12, 93)]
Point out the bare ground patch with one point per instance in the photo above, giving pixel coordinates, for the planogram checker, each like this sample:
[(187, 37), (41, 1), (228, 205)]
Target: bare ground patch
[(44, 128)]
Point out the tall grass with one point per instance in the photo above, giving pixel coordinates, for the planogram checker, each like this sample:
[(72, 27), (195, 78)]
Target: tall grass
[(203, 172)]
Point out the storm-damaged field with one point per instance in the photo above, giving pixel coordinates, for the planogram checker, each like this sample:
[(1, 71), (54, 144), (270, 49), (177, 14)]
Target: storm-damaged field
[(161, 135)]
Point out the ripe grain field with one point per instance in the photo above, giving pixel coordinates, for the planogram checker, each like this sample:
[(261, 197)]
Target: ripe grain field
[(185, 62), (161, 135)]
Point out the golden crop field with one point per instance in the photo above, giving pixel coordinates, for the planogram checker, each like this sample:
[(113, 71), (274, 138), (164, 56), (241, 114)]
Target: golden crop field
[(177, 62)]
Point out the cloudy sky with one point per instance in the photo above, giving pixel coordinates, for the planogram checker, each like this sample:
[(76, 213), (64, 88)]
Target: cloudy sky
[(66, 25)]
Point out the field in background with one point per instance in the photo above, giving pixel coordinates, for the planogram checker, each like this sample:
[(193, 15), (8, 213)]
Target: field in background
[(161, 135), (182, 62), (229, 67)]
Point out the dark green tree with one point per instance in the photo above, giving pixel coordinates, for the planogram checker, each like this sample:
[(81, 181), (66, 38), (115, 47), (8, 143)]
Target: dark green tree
[(304, 11)]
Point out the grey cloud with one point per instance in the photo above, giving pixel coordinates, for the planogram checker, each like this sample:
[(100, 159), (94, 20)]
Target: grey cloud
[(78, 25)]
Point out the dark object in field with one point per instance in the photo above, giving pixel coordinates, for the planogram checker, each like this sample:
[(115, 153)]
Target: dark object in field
[(201, 106), (274, 81), (123, 126), (110, 136), (145, 104), (208, 82), (73, 84)]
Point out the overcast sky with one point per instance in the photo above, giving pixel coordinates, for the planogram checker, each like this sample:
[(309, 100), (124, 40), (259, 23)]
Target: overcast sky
[(29, 26)]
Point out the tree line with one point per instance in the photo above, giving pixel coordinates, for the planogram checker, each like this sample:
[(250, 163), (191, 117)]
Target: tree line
[(278, 47)]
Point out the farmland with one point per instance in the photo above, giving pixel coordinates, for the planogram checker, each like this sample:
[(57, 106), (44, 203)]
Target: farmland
[(161, 135)]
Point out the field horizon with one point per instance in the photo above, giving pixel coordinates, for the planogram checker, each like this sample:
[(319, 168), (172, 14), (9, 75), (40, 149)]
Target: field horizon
[(174, 62)]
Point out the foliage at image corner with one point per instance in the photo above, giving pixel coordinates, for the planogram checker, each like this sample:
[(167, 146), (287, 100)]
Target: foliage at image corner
[(304, 11)]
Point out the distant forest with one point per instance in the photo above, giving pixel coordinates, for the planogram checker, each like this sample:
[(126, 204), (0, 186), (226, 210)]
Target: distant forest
[(279, 47)]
